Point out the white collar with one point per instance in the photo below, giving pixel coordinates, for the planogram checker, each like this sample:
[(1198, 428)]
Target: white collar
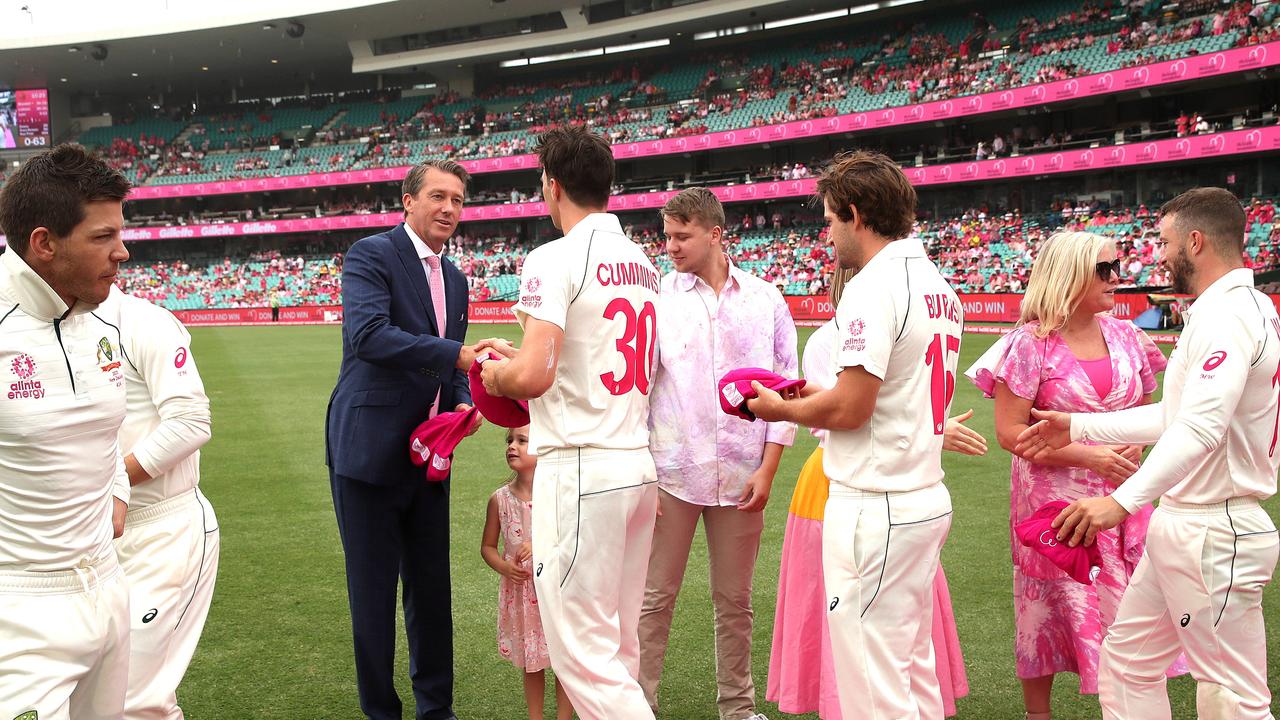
[(424, 251), (31, 291)]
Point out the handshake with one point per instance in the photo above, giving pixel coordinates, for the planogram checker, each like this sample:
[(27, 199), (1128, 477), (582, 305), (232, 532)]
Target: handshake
[(468, 354), (505, 351)]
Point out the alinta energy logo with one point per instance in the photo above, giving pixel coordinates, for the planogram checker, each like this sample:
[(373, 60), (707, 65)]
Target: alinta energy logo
[(26, 388)]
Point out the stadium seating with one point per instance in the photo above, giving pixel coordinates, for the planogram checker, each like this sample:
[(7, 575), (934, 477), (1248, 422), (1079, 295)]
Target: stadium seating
[(793, 258), (872, 73)]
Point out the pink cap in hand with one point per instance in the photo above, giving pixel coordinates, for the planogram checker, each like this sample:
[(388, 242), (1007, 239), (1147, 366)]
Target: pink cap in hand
[(735, 389), (433, 442), (498, 410), (1036, 532)]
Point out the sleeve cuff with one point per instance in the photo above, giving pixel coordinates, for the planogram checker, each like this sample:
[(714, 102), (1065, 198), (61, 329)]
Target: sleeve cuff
[(1078, 432), (1130, 504), (146, 462), (781, 433)]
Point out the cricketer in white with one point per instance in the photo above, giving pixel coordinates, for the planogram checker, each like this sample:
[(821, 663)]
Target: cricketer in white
[(169, 550), (1211, 548), (64, 627)]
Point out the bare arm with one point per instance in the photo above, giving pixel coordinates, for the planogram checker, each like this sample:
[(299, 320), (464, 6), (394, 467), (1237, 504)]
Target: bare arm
[(1013, 416), (489, 545), (532, 371), (847, 406)]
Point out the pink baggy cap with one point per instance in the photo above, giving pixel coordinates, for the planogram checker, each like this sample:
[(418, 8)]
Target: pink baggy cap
[(433, 442), (498, 410), (735, 389), (1036, 532)]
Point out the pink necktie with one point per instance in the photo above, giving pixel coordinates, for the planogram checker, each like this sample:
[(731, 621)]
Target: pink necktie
[(435, 280)]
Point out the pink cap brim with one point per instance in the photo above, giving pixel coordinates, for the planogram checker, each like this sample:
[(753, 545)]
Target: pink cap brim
[(501, 411)]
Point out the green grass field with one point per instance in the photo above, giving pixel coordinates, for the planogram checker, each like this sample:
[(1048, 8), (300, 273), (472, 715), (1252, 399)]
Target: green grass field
[(278, 640)]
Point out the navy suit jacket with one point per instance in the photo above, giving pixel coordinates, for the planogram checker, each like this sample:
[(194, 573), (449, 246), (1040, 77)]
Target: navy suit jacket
[(394, 358)]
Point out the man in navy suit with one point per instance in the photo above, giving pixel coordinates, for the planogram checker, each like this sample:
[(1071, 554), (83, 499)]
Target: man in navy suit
[(403, 360)]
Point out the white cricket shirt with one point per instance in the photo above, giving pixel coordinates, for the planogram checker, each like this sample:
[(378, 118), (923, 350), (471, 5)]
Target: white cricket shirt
[(62, 400), (167, 417), (1217, 427), (600, 288), (900, 321)]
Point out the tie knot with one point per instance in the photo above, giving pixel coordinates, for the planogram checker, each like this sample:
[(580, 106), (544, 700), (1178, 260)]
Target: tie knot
[(434, 261)]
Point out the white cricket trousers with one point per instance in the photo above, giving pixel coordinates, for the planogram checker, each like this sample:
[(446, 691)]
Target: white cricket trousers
[(64, 643), (880, 552), (1197, 590), (169, 552), (593, 517)]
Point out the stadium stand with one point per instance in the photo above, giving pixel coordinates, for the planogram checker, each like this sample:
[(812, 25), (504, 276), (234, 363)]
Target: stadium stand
[(948, 57), (980, 250)]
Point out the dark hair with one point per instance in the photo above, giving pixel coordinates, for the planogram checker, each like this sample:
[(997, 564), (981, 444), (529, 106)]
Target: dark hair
[(580, 161), (875, 185), (51, 189), (412, 184), (695, 203), (1213, 211)]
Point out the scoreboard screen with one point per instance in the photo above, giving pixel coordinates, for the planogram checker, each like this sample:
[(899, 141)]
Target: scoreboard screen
[(24, 119)]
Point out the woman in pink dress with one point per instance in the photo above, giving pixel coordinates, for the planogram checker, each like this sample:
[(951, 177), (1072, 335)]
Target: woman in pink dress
[(520, 636), (801, 671), (1068, 353)]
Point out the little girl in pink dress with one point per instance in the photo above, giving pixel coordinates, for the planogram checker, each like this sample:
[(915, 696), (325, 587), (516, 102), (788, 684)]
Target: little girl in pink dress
[(520, 636)]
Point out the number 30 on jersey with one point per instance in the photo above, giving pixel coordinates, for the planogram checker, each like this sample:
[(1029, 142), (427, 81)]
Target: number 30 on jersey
[(636, 346)]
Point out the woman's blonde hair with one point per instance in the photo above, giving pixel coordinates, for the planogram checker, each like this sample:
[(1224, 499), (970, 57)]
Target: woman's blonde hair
[(839, 278), (1065, 266)]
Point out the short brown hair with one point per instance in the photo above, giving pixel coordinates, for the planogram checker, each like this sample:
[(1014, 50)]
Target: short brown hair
[(580, 161), (873, 184), (695, 203), (412, 184), (51, 189), (1213, 211)]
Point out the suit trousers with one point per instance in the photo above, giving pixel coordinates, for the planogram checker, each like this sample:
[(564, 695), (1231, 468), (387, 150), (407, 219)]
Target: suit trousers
[(394, 533)]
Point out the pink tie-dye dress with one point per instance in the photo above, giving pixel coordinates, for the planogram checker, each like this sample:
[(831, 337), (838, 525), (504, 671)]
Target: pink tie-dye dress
[(1059, 622)]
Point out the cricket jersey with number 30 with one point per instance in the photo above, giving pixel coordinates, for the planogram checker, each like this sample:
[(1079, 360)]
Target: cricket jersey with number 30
[(900, 321), (600, 288)]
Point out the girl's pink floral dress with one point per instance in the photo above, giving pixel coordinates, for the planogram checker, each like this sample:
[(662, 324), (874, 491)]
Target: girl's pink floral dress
[(520, 636)]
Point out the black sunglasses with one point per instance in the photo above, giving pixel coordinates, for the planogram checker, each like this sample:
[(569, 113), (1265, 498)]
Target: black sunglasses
[(1105, 269)]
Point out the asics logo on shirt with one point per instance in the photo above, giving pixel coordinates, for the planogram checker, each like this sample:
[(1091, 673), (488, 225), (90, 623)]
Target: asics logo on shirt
[(834, 602), (1215, 360), (151, 615), (538, 572), (1186, 620)]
